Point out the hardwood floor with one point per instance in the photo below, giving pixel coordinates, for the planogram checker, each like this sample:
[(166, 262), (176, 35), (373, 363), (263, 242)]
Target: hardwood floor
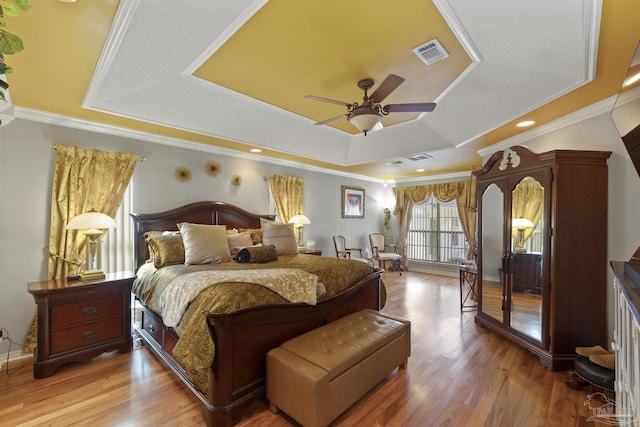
[(458, 375)]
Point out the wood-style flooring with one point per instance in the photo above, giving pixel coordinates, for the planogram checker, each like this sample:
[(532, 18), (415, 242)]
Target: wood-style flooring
[(458, 375)]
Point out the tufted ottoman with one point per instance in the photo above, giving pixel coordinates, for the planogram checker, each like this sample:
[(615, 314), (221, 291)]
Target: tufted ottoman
[(318, 375)]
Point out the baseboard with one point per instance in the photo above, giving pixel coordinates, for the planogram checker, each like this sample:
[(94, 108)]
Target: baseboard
[(17, 359)]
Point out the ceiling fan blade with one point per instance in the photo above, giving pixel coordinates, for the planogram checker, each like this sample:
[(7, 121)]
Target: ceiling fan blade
[(332, 119), (333, 101), (410, 108), (385, 88)]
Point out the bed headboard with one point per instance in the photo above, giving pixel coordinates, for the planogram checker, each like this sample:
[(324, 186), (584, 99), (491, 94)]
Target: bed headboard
[(212, 213)]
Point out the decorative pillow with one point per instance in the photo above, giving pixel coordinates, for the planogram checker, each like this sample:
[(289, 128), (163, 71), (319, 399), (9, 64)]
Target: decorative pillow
[(239, 241), (256, 234), (281, 236), (204, 244), (166, 249), (257, 254)]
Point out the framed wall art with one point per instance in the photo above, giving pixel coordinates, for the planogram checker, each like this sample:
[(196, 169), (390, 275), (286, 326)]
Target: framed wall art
[(352, 202)]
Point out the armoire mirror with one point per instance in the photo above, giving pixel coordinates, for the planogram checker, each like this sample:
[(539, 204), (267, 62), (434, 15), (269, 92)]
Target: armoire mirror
[(492, 250), (527, 250)]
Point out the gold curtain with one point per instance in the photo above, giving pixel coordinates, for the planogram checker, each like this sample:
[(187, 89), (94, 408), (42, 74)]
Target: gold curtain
[(82, 180), (288, 193), (464, 192), (527, 201)]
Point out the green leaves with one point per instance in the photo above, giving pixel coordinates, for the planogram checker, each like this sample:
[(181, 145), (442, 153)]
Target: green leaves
[(9, 42)]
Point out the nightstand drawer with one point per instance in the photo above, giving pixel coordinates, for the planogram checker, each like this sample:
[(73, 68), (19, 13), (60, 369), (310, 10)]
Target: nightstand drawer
[(85, 311), (85, 335), (87, 292)]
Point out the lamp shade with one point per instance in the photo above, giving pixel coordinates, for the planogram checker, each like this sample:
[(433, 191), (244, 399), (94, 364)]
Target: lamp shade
[(91, 220), (365, 121), (522, 223), (299, 220)]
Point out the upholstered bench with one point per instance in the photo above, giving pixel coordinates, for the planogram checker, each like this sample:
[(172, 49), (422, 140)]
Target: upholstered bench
[(318, 375)]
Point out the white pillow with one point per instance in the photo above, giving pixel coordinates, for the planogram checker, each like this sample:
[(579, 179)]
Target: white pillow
[(281, 236), (239, 241), (204, 244)]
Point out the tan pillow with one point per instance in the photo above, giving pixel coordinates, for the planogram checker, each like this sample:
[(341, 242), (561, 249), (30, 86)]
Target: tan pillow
[(256, 234), (239, 241), (166, 249), (204, 244), (281, 236)]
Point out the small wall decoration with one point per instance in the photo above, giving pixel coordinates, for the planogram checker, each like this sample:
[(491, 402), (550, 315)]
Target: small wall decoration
[(213, 168), (352, 202), (183, 174)]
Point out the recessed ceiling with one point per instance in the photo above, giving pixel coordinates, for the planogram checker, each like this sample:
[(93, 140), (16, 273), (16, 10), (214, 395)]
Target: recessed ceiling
[(234, 74), (321, 53)]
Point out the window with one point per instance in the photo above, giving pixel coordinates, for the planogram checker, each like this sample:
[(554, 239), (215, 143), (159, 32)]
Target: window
[(436, 234)]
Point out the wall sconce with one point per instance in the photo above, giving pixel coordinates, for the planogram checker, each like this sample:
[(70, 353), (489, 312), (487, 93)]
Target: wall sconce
[(299, 221), (93, 224), (521, 224)]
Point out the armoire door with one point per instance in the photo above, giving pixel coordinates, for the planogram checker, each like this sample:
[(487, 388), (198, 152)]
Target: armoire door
[(513, 258)]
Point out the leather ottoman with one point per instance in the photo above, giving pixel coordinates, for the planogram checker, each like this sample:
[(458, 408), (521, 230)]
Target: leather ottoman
[(318, 375)]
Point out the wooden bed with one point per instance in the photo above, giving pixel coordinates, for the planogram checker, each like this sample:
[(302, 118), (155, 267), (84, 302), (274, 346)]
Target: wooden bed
[(242, 338)]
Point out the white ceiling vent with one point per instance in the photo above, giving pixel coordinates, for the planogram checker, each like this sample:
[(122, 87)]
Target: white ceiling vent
[(431, 52), (418, 157)]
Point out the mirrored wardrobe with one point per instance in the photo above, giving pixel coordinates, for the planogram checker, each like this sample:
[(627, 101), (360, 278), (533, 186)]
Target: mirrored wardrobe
[(542, 240)]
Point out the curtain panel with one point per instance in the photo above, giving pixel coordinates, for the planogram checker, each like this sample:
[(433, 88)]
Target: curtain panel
[(463, 192), (288, 194), (528, 202)]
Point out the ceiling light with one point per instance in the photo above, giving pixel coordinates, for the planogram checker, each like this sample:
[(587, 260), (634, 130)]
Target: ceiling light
[(67, 1), (256, 150), (526, 123), (365, 119), (420, 170), (394, 162)]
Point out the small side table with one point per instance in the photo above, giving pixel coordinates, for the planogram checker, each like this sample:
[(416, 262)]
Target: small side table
[(468, 286), (79, 320), (309, 252)]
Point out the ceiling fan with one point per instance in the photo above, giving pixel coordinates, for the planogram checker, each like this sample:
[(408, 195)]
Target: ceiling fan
[(371, 112)]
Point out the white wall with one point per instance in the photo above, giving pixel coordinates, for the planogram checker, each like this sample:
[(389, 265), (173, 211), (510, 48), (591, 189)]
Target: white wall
[(26, 167)]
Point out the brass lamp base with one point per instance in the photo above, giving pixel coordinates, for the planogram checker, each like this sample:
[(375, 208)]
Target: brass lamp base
[(92, 275)]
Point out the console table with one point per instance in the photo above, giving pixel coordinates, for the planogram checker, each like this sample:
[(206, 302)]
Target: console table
[(468, 286)]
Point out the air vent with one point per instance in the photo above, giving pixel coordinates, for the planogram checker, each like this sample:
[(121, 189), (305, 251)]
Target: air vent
[(431, 52), (418, 157)]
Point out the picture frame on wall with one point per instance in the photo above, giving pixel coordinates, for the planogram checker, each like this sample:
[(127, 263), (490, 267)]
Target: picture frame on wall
[(352, 202)]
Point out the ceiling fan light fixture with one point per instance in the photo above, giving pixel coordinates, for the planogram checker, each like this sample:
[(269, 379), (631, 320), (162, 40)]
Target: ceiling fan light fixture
[(365, 121)]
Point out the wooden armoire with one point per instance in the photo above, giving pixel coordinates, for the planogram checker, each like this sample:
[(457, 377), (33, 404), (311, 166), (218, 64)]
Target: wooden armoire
[(542, 250)]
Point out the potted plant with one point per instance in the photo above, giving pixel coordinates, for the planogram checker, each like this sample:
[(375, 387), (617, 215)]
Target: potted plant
[(9, 43)]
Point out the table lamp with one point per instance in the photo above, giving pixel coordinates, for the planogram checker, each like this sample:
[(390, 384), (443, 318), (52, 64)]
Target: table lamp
[(299, 221), (92, 225), (521, 224)]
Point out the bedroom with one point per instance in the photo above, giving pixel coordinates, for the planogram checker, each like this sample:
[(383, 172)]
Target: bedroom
[(26, 163)]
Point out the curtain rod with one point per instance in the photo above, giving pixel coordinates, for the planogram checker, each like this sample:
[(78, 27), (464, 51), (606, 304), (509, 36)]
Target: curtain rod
[(140, 158)]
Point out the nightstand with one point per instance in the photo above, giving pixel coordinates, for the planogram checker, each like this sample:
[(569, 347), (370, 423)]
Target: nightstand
[(309, 252), (78, 320)]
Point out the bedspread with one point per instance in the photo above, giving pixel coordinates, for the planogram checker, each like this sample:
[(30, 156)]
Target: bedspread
[(194, 350), (291, 284)]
